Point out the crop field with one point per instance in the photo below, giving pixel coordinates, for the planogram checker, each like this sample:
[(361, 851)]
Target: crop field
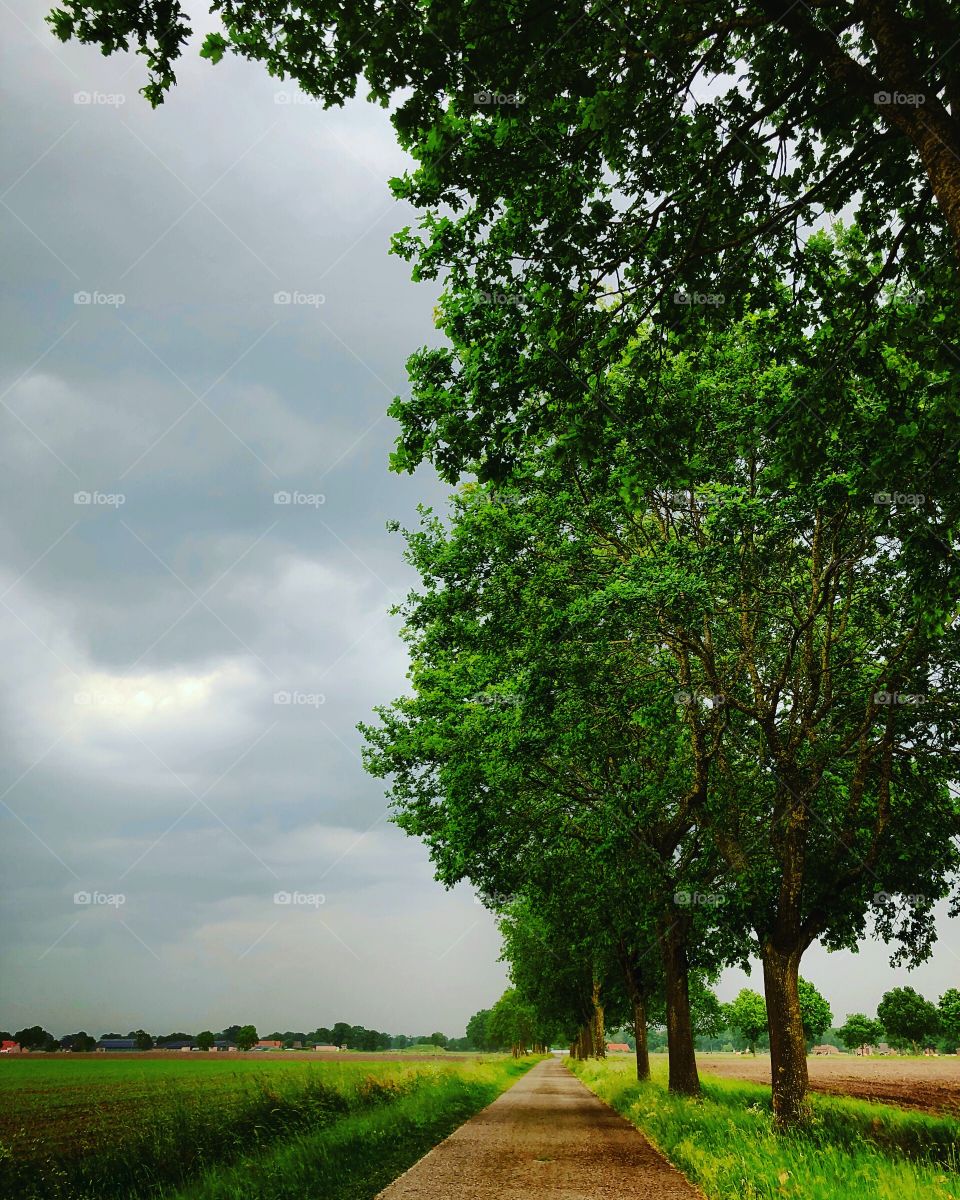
[(95, 1127), (725, 1143)]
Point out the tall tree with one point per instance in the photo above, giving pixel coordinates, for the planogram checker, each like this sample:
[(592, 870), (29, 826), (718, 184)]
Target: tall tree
[(909, 1018)]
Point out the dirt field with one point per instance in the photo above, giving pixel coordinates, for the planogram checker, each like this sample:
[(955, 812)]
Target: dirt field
[(929, 1084)]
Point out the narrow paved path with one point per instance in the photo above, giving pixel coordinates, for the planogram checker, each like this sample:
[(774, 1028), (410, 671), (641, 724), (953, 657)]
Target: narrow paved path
[(547, 1136)]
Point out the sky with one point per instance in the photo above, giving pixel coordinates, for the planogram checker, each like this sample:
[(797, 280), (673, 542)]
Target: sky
[(202, 329)]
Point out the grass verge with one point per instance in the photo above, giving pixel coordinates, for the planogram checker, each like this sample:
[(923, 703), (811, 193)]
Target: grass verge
[(176, 1133), (358, 1156), (727, 1145)]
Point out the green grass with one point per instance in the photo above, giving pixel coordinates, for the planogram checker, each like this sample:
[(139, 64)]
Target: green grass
[(112, 1129), (727, 1145), (357, 1157)]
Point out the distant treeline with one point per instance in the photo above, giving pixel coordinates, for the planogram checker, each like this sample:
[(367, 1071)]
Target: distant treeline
[(342, 1035)]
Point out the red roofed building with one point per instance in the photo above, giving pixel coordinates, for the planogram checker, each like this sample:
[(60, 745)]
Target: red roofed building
[(618, 1048), (269, 1045)]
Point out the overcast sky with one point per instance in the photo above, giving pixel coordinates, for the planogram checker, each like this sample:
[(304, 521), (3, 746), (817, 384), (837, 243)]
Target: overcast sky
[(147, 633)]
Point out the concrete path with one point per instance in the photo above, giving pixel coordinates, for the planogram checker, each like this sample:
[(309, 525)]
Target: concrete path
[(547, 1136)]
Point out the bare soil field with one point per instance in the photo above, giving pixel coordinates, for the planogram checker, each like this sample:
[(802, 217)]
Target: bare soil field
[(926, 1084)]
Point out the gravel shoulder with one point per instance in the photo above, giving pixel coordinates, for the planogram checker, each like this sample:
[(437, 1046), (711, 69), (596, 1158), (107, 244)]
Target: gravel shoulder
[(547, 1136)]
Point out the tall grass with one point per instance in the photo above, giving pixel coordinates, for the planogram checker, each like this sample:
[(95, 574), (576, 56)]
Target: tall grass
[(177, 1133), (726, 1143), (357, 1157)]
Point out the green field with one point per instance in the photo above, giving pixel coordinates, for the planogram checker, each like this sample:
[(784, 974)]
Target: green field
[(726, 1143), (115, 1128)]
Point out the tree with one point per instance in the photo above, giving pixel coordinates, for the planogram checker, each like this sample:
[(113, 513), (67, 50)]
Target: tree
[(815, 1012), (748, 1014), (859, 1031), (79, 1043), (813, 105), (141, 1039), (477, 1029), (340, 1034), (247, 1037), (512, 1024), (949, 1014), (908, 1018), (35, 1037), (205, 1040), (439, 1039)]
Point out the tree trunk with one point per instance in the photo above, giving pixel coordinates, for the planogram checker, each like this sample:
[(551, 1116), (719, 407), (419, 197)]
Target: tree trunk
[(683, 1060), (640, 1033), (636, 989), (598, 1030), (788, 1047)]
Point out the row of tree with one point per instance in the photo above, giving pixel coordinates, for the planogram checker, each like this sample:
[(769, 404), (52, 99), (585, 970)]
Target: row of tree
[(685, 679), (668, 721), (905, 1020), (342, 1035)]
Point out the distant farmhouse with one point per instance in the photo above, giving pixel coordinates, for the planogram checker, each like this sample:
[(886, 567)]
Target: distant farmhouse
[(112, 1044), (618, 1048), (268, 1044)]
